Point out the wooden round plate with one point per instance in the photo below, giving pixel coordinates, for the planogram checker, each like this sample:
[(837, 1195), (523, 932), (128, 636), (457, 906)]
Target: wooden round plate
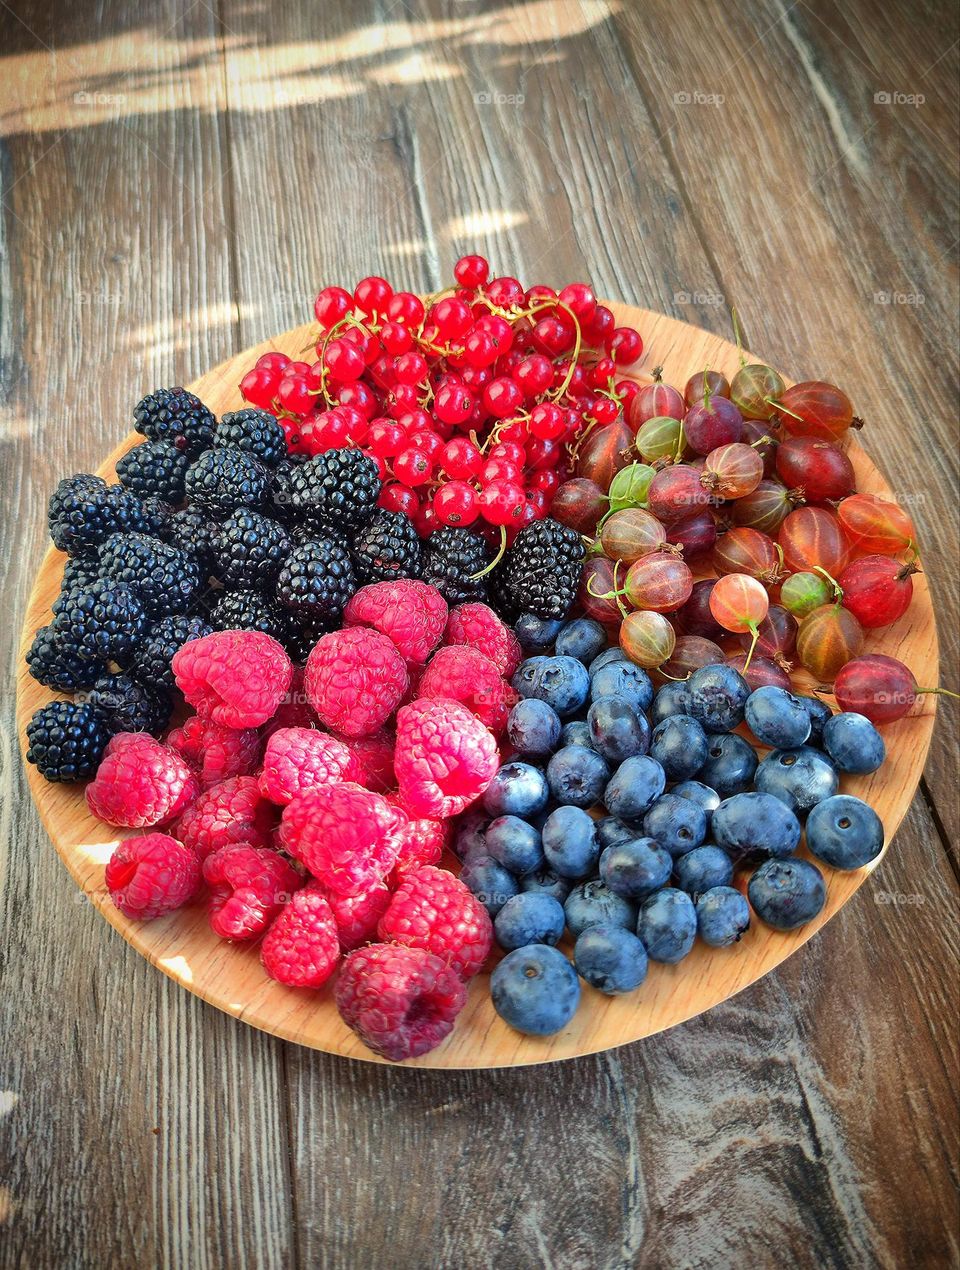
[(230, 977)]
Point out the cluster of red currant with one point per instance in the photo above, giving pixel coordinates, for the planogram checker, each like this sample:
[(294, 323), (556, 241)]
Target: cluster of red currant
[(470, 403)]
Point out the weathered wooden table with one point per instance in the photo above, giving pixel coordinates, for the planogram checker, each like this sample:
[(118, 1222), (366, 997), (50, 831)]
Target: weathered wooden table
[(177, 181)]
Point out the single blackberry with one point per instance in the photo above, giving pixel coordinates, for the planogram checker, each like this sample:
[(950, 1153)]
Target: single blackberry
[(151, 661), (130, 706), (255, 431), (248, 611), (339, 488), (387, 548), (155, 469), (84, 511), (450, 559), (55, 665), (194, 532), (249, 549), (66, 740), (317, 580), (177, 416), (165, 578), (222, 480), (540, 573), (80, 571), (103, 621), (159, 516)]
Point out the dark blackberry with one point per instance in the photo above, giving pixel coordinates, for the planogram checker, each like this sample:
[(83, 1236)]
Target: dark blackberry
[(339, 488), (540, 573), (194, 532), (279, 499), (151, 661), (84, 511), (155, 469), (450, 559), (317, 580), (387, 548), (222, 480), (248, 611), (165, 578), (130, 706), (177, 416), (248, 550), (103, 621), (66, 740), (57, 666), (159, 516), (80, 571), (254, 431), (300, 641)]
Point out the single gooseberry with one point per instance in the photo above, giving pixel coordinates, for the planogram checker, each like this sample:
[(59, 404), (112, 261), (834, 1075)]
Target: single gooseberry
[(877, 589), (740, 603), (604, 452), (814, 409), (648, 639), (820, 469), (754, 390), (703, 384), (777, 635), (690, 653), (766, 507), (660, 582), (677, 492), (695, 535), (749, 551), (804, 592), (579, 503), (828, 638), (599, 581), (811, 538), (630, 485), (876, 524), (629, 534), (660, 438), (656, 401), (710, 423), (731, 471), (879, 687)]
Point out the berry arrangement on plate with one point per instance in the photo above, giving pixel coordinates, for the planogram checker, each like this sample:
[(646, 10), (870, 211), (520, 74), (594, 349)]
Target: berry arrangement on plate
[(363, 666)]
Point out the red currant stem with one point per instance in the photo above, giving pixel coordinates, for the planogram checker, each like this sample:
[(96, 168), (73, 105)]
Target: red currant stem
[(558, 304), (938, 692), (753, 643), (837, 589), (575, 451), (347, 320), (475, 577), (737, 336)]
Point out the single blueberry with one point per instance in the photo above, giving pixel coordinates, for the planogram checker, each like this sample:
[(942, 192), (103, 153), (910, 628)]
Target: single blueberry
[(853, 743), (517, 789), (705, 797), (717, 697), (577, 776), (677, 824), (593, 904), (671, 699), (611, 959), (702, 869), (819, 713), (634, 787), (562, 682), (471, 828), (533, 727), (610, 830), (753, 824), (606, 658), (844, 832), (723, 914), (548, 882), (489, 881), (667, 925), (730, 766), (570, 842), (515, 844), (525, 676), (536, 633), (576, 733), (635, 869), (777, 718), (787, 893), (625, 681), (617, 730), (800, 778), (680, 746), (535, 989), (532, 917), (582, 638)]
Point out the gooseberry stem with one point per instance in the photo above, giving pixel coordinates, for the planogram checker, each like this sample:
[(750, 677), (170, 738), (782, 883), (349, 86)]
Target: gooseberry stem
[(837, 589), (753, 643)]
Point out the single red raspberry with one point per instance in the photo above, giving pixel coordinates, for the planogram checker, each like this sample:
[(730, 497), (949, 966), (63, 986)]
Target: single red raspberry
[(462, 673), (344, 835), (237, 678), (400, 1001), (232, 813), (149, 876), (357, 915), (214, 752), (413, 615), (374, 758), (445, 758), (355, 680), (294, 708), (422, 841), (297, 759), (249, 886), (301, 948), (140, 782), (432, 909), (478, 626)]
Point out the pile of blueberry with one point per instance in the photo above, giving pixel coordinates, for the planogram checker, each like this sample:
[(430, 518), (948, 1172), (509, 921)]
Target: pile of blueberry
[(680, 804)]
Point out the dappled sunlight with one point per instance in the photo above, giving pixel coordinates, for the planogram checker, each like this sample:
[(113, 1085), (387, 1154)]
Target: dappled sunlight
[(476, 224), (178, 967)]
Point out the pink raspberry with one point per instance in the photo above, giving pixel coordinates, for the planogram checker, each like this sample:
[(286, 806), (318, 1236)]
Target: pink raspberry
[(400, 1001), (301, 948), (461, 673), (374, 757), (355, 680), (413, 615), (249, 886), (214, 752), (140, 782), (344, 835), (432, 909), (149, 876), (422, 841), (357, 915), (445, 758), (294, 709), (232, 813), (297, 759), (477, 626), (237, 678)]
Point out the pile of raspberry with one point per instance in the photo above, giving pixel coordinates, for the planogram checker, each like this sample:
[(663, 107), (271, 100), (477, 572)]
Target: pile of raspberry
[(310, 809)]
